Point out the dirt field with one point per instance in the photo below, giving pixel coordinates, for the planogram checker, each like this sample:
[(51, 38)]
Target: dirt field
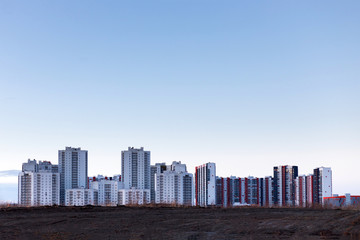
[(177, 223)]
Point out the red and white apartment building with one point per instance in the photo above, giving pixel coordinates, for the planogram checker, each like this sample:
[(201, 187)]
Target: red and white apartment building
[(285, 188)]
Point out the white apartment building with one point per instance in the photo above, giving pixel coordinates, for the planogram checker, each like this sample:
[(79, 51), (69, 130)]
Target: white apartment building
[(73, 169), (135, 168), (133, 196), (174, 186), (81, 197), (155, 169), (38, 187), (322, 184), (108, 192), (205, 181)]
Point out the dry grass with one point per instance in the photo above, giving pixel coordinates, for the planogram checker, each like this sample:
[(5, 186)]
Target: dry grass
[(172, 221), (352, 207)]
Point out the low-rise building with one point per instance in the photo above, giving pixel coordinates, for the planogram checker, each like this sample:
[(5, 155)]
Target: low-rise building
[(133, 196), (107, 189), (108, 192), (342, 201), (81, 197)]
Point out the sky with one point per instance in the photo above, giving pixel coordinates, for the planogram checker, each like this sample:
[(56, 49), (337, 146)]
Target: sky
[(248, 85)]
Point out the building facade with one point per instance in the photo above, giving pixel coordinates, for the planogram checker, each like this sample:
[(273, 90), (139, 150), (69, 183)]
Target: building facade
[(108, 192), (309, 190), (284, 185), (346, 200), (38, 186), (81, 197), (73, 169), (301, 191), (135, 168), (205, 181), (322, 184), (30, 166), (233, 191), (155, 169), (133, 196), (174, 186), (266, 188)]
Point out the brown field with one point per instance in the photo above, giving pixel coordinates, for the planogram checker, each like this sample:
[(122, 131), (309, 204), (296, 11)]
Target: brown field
[(177, 223)]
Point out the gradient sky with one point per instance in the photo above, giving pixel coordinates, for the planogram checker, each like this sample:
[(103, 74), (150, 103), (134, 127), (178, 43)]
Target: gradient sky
[(246, 84)]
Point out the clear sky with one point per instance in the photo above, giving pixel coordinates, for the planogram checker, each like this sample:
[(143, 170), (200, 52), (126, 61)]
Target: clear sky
[(246, 84)]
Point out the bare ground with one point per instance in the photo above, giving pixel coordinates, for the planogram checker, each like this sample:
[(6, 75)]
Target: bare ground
[(178, 223)]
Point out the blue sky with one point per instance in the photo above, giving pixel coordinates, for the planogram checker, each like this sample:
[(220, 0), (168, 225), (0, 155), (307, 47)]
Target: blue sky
[(246, 84)]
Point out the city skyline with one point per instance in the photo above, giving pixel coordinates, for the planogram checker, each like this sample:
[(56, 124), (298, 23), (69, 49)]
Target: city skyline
[(12, 186), (249, 85), (68, 183), (68, 155)]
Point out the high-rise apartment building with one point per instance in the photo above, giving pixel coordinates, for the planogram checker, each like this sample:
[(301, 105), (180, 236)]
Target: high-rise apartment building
[(73, 169), (174, 186), (253, 191), (322, 184), (284, 185), (313, 188), (38, 185), (301, 191), (205, 181), (155, 169), (266, 191), (238, 191), (233, 191), (223, 191), (243, 191), (135, 168)]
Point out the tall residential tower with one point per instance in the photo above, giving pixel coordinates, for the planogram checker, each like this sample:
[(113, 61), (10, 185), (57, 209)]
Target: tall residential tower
[(135, 168), (322, 184), (205, 181), (73, 169), (284, 185)]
